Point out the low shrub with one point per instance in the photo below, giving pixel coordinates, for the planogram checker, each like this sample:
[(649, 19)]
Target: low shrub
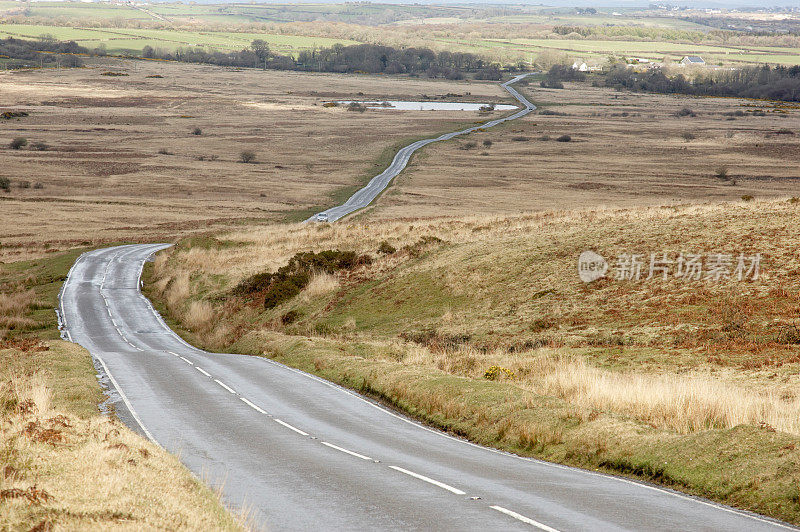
[(164, 151), (23, 184), (197, 131), (18, 143), (495, 372), (5, 184), (114, 74), (520, 139), (747, 197), (789, 334), (687, 136), (247, 157), (357, 107), (468, 146), (40, 146), (550, 112), (564, 138), (386, 248), (722, 173), (487, 143), (685, 112), (416, 249)]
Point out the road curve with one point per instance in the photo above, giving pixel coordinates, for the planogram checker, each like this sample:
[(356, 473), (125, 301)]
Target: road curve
[(306, 454), (377, 184)]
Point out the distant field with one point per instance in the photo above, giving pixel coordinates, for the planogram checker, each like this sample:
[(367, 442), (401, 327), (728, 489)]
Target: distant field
[(600, 50), (506, 34), (133, 40)]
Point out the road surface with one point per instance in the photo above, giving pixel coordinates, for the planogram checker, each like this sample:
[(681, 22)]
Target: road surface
[(305, 454), (377, 184)]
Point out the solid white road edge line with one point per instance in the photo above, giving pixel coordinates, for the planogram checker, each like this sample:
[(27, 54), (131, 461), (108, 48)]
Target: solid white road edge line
[(351, 453), (429, 480), (524, 519), (231, 390), (291, 427), (125, 400)]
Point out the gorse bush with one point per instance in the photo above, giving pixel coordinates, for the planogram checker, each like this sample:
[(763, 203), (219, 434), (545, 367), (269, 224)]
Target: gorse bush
[(495, 372), (386, 248), (290, 280), (5, 184), (247, 156)]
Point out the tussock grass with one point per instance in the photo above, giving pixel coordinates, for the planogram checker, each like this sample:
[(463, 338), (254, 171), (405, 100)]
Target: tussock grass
[(71, 470), (15, 307), (321, 284)]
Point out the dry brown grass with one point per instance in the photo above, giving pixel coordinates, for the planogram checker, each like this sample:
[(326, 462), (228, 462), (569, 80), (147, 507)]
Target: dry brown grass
[(62, 471), (104, 179), (13, 309), (683, 403), (627, 149), (613, 347)]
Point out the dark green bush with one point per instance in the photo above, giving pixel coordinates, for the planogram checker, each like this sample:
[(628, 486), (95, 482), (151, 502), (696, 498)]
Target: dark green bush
[(386, 248), (5, 184), (289, 280)]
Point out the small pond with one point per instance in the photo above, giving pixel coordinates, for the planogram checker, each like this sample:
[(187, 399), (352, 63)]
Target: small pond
[(429, 106)]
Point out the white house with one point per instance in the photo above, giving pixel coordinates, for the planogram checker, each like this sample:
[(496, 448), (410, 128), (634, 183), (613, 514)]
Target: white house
[(581, 67)]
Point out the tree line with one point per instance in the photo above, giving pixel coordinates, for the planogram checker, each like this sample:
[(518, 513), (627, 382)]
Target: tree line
[(366, 58), (21, 53), (773, 83)]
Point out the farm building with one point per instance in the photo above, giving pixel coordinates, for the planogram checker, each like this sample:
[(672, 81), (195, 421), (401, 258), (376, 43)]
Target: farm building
[(693, 60)]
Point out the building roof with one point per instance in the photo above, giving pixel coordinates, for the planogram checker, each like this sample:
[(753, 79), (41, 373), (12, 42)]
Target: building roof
[(694, 59)]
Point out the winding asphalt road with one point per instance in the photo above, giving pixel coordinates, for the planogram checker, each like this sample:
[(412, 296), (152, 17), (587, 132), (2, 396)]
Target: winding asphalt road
[(305, 454), (377, 184)]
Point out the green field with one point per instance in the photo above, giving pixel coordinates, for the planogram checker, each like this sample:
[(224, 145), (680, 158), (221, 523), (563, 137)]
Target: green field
[(133, 40), (506, 34), (600, 50)]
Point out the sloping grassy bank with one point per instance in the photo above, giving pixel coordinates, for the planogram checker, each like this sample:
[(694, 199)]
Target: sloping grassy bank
[(481, 327)]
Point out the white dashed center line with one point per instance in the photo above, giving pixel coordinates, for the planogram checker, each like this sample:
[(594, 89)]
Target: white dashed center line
[(528, 520), (186, 360), (429, 480), (291, 427), (201, 370), (224, 385), (251, 405), (351, 453)]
